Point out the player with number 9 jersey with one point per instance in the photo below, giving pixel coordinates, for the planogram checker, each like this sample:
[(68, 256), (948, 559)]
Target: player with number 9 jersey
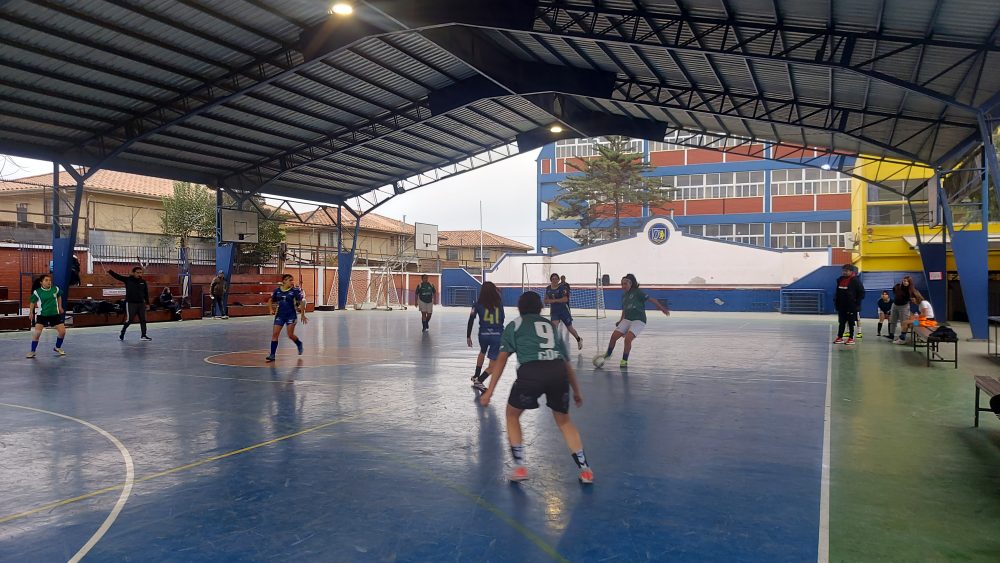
[(542, 369)]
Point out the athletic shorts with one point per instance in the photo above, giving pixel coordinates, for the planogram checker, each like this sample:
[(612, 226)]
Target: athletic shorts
[(489, 344), (425, 307), (627, 326), (564, 317), (928, 323), (49, 320), (282, 321), (538, 378)]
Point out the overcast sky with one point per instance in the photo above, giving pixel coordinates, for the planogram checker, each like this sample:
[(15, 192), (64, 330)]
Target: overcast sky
[(507, 190)]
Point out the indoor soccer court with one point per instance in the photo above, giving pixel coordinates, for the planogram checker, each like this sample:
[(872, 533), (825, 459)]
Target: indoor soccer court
[(372, 447)]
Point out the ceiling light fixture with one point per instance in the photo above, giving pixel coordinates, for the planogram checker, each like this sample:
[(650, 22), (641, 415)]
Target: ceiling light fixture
[(342, 9), (556, 129)]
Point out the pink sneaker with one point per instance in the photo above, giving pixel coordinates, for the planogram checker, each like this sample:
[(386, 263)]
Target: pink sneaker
[(850, 342), (519, 473), (839, 340), (586, 475)]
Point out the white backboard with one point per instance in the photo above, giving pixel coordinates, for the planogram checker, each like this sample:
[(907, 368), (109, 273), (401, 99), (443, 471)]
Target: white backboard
[(426, 237), (238, 226)]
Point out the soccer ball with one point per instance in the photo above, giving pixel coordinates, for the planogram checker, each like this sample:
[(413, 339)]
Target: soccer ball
[(599, 360)]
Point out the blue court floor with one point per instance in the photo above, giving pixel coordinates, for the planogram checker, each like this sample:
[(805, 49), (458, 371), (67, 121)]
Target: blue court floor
[(372, 447)]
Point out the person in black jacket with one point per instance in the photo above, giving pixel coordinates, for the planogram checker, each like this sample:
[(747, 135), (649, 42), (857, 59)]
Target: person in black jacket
[(847, 300), (136, 300)]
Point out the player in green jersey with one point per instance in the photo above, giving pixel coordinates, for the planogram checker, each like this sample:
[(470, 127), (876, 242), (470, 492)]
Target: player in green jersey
[(633, 318), (542, 369), (48, 301)]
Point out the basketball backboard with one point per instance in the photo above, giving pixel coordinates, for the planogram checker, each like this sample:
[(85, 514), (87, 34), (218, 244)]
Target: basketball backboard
[(426, 237), (238, 226)]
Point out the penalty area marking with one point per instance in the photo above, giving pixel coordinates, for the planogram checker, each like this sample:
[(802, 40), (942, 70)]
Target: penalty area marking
[(126, 488)]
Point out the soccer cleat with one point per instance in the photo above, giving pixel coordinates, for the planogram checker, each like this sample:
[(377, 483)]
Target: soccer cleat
[(850, 342), (579, 344), (269, 359), (30, 355), (586, 475), (519, 473), (478, 386), (623, 364), (299, 346), (144, 337), (59, 351), (839, 340)]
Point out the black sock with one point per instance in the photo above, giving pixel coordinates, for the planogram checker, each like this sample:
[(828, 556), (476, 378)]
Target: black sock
[(879, 328), (479, 369), (485, 375), (517, 452)]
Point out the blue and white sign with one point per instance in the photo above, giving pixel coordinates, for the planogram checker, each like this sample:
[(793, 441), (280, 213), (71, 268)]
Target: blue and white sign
[(658, 233)]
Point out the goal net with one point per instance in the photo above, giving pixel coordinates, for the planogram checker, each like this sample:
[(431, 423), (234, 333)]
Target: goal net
[(586, 296)]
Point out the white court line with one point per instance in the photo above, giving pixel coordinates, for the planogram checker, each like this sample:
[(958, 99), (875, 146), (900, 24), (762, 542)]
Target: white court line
[(823, 555), (126, 489)]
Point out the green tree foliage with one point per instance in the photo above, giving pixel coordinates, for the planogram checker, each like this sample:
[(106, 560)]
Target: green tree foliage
[(270, 235), (606, 183), (190, 212)]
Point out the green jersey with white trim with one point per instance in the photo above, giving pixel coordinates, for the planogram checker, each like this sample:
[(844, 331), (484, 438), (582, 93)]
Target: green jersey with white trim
[(46, 298), (533, 338)]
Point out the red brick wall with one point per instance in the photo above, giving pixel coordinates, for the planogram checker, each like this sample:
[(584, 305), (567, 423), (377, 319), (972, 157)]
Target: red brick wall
[(743, 205), (705, 207), (666, 158), (833, 201), (676, 206), (793, 203), (703, 156)]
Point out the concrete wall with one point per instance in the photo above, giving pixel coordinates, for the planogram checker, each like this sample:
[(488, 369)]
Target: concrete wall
[(679, 261)]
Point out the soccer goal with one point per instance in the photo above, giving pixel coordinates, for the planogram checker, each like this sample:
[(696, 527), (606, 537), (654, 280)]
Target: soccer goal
[(586, 295)]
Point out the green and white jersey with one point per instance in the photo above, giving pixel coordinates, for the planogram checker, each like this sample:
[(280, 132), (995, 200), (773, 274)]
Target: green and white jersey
[(533, 338), (426, 291), (634, 305), (47, 298)]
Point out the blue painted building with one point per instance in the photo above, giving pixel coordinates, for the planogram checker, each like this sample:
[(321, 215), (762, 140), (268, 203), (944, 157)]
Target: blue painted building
[(732, 195)]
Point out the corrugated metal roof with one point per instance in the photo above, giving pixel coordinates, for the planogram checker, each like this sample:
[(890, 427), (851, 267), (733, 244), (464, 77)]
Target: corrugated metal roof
[(220, 90)]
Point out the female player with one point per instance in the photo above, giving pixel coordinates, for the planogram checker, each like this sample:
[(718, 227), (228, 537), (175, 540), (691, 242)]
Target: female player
[(489, 309), (543, 368), (557, 298), (633, 318), (285, 302), (49, 303)]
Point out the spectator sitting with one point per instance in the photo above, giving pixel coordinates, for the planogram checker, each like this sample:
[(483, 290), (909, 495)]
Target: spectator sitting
[(166, 301)]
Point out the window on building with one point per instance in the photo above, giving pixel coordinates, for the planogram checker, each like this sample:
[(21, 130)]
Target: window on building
[(809, 181), (22, 213), (746, 233), (483, 254), (811, 234), (452, 254), (568, 148), (721, 185)]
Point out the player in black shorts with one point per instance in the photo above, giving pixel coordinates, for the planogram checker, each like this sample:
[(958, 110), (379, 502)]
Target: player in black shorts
[(543, 369)]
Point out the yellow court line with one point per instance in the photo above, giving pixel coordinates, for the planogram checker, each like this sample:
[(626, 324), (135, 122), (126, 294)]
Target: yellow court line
[(480, 502), (477, 499), (126, 487), (192, 465)]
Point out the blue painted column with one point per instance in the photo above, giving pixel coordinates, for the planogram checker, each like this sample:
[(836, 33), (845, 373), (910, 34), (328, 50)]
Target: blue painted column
[(62, 247), (345, 260), (933, 256), (971, 249)]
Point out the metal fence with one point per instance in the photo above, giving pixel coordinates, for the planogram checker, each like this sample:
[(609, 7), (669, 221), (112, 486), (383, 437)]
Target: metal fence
[(803, 301)]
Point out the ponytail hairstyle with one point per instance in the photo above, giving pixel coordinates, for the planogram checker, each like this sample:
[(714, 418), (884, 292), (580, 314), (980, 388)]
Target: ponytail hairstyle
[(632, 280)]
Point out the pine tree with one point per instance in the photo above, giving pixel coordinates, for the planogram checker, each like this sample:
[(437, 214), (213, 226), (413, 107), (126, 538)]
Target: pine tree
[(615, 177)]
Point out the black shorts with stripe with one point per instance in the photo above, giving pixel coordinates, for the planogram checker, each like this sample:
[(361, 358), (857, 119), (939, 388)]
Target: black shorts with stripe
[(534, 379)]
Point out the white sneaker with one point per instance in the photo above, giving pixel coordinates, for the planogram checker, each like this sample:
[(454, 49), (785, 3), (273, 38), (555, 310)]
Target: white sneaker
[(59, 351), (30, 355), (579, 344), (225, 316)]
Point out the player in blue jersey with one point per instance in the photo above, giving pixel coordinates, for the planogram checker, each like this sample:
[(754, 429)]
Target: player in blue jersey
[(489, 309), (543, 368), (286, 305), (557, 298)]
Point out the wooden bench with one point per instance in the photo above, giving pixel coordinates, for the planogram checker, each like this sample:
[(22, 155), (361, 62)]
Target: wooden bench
[(105, 319), (922, 339), (991, 386), (15, 322), (10, 307)]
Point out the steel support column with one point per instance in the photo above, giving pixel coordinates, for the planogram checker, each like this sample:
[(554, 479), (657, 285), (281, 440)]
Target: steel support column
[(345, 261), (62, 247), (224, 251)]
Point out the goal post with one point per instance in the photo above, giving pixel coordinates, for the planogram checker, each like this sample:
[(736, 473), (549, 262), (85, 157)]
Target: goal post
[(586, 296)]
